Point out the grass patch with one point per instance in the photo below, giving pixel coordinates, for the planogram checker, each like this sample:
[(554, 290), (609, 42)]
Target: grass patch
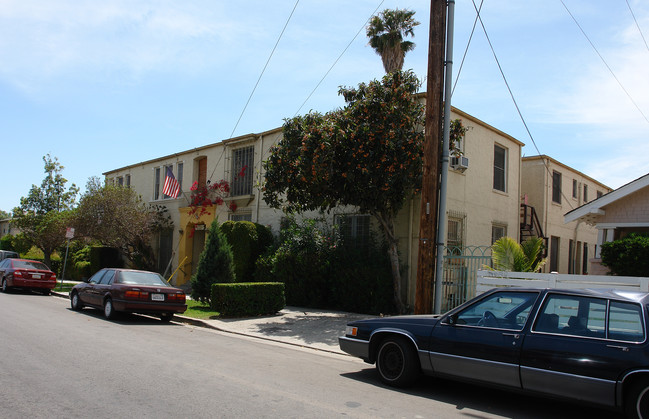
[(198, 310), (64, 288)]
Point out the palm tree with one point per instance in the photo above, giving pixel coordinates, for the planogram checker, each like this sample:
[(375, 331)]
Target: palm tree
[(508, 255), (386, 32)]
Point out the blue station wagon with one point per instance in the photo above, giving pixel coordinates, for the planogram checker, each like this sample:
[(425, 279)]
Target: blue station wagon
[(586, 345)]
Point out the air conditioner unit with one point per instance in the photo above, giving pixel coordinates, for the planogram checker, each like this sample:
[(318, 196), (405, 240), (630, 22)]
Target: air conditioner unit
[(460, 163)]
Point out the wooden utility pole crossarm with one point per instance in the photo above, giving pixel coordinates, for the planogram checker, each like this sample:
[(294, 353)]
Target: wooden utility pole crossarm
[(431, 166)]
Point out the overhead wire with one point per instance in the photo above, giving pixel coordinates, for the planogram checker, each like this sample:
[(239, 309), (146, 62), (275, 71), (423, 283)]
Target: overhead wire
[(604, 61), (637, 25)]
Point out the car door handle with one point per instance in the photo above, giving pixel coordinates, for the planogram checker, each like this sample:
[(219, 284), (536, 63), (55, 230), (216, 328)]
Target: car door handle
[(514, 335), (623, 348)]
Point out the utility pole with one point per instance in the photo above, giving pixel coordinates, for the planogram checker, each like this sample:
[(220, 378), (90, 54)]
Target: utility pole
[(431, 164)]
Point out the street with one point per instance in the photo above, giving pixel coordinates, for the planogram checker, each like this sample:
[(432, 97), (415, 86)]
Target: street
[(58, 363)]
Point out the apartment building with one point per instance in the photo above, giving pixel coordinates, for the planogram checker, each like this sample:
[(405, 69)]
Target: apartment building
[(550, 189)]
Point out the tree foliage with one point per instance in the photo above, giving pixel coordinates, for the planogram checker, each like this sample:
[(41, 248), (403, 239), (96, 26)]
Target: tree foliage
[(116, 216), (386, 33), (214, 265), (45, 212), (367, 154), (628, 256), (510, 256)]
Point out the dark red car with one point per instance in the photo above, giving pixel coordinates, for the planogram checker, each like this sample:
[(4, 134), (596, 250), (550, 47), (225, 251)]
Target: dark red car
[(26, 274), (127, 290)]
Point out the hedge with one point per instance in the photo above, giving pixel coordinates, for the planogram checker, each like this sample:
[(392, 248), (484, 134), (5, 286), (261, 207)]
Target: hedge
[(248, 298)]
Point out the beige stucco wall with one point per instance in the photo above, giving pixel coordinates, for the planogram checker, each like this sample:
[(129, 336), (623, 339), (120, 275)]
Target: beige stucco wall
[(536, 184), (631, 209)]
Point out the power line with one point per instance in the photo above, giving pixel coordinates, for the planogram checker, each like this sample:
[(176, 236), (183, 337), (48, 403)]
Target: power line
[(466, 50), (637, 25), (604, 61)]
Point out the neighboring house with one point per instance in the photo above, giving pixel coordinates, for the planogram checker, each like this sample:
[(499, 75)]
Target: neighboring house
[(550, 189), (7, 228), (482, 202), (615, 215)]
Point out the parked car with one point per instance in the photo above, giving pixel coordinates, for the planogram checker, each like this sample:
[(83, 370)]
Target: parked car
[(127, 290), (26, 274), (585, 345), (4, 254)]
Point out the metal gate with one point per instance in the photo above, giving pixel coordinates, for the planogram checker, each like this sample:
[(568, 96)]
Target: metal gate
[(460, 273)]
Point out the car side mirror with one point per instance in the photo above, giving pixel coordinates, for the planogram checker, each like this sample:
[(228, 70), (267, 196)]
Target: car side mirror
[(86, 280), (452, 319)]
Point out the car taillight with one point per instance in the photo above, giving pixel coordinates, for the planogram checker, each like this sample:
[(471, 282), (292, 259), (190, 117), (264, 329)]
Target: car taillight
[(178, 297), (136, 295), (19, 274), (53, 277)]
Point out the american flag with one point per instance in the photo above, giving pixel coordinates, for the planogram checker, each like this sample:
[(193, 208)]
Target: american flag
[(171, 187)]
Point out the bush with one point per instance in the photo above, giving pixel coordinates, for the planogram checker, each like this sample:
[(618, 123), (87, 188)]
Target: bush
[(320, 270), (6, 242), (248, 299), (628, 256), (104, 257), (248, 241), (214, 265)]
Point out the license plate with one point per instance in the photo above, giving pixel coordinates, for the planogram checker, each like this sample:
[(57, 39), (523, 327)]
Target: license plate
[(37, 276), (157, 297)]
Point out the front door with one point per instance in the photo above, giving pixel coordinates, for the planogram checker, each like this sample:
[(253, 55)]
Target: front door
[(483, 342), (198, 245)]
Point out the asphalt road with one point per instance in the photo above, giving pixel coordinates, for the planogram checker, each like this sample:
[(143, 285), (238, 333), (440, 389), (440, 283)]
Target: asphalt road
[(57, 363)]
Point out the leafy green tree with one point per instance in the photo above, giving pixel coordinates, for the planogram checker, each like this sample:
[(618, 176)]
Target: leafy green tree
[(116, 216), (510, 256), (4, 215), (628, 256), (214, 265), (367, 154), (387, 32), (45, 212)]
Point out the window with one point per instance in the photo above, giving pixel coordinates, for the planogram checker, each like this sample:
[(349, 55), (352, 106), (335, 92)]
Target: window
[(584, 267), (500, 163), (354, 229), (120, 181), (556, 187), (128, 180), (573, 315), (240, 217), (625, 322), (575, 188), (502, 310), (242, 165), (498, 231), (202, 172), (585, 193), (156, 180), (600, 194), (554, 254), (179, 175), (455, 233), (571, 259)]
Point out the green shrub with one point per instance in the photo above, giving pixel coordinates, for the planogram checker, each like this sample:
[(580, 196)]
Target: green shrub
[(628, 256), (104, 257), (248, 241), (320, 270), (214, 265), (6, 242), (248, 299)]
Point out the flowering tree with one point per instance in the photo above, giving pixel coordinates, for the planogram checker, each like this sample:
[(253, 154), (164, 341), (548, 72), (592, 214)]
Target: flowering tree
[(367, 154), (212, 194)]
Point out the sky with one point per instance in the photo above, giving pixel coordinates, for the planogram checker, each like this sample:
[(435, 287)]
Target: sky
[(105, 84)]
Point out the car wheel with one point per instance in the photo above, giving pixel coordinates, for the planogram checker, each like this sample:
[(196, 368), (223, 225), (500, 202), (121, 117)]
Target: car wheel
[(397, 362), (5, 287), (75, 302), (166, 317), (637, 400), (109, 310)]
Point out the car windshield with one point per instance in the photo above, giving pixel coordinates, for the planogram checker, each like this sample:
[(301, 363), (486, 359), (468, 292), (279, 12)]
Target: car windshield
[(141, 278), (30, 264)]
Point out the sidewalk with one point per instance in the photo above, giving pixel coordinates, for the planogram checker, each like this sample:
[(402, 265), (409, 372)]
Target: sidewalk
[(305, 327), (316, 329)]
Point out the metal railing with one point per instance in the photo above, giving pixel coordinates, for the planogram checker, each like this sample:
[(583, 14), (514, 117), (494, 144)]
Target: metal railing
[(460, 272)]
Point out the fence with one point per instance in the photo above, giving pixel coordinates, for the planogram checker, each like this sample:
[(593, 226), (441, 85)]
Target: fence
[(495, 279), (461, 265)]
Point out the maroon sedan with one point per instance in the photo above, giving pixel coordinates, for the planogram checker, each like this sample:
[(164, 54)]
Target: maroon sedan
[(27, 274), (127, 290)]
